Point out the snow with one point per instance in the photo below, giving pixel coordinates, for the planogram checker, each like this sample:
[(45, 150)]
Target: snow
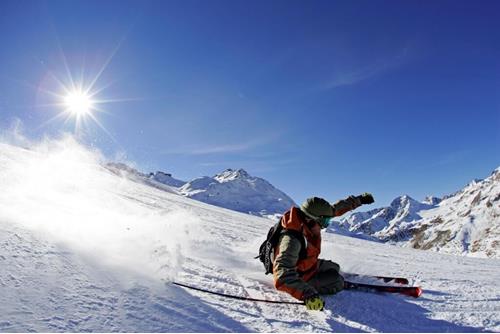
[(167, 179), (231, 189), (471, 218), (239, 191), (466, 222), (83, 248)]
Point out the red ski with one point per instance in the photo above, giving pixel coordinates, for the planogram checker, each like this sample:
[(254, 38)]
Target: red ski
[(412, 291), (386, 279)]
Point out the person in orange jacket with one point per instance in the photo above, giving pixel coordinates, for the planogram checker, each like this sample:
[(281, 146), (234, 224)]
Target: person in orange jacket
[(306, 277)]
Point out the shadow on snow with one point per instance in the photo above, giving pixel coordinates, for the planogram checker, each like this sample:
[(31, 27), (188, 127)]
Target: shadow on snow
[(387, 313)]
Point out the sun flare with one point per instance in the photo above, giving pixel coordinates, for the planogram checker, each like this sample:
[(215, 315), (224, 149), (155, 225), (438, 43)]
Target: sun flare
[(78, 103), (78, 99)]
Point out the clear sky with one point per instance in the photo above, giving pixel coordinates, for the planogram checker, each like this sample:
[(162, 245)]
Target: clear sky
[(325, 98)]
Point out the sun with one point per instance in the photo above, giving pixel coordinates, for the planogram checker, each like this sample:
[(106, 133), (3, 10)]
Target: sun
[(77, 95), (78, 103)]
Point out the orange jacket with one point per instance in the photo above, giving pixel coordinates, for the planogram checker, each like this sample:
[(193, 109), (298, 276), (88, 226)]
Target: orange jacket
[(292, 221), (291, 276), (290, 272)]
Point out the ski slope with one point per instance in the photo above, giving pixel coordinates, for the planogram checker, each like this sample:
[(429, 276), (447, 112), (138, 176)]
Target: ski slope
[(83, 249)]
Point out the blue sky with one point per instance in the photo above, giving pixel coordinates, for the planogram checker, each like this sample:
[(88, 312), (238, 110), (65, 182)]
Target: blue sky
[(326, 98)]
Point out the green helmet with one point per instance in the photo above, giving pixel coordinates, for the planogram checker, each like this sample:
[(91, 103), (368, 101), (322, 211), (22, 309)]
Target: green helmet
[(316, 208)]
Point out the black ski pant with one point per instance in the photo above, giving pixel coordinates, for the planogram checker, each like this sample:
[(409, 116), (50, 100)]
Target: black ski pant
[(327, 280)]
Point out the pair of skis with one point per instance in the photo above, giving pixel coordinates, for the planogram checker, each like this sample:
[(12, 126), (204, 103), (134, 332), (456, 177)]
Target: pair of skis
[(401, 288)]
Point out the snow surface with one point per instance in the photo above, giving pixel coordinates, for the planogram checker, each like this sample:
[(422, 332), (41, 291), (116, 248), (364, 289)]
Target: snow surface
[(83, 248)]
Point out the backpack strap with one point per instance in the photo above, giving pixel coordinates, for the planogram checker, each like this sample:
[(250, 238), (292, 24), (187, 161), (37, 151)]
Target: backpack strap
[(266, 249)]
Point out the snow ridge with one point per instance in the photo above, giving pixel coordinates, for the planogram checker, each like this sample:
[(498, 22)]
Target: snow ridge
[(237, 190), (466, 222), (231, 189), (166, 178)]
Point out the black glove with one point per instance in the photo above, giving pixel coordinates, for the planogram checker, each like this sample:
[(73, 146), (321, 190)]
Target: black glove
[(366, 198)]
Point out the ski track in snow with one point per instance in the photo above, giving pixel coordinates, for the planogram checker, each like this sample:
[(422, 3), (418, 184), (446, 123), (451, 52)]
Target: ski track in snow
[(86, 250)]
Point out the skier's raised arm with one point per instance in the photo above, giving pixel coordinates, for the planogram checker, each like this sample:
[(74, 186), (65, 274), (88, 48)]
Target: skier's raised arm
[(351, 203)]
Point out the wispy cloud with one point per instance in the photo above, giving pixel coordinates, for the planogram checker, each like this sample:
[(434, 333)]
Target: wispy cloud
[(223, 148), (229, 148), (348, 78)]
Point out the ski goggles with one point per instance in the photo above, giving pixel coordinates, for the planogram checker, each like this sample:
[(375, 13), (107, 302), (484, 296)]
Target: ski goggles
[(324, 221)]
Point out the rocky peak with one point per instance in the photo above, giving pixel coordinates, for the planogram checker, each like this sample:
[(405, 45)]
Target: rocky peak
[(432, 200), (166, 178), (495, 175), (465, 222), (237, 190), (403, 201), (161, 174), (231, 174)]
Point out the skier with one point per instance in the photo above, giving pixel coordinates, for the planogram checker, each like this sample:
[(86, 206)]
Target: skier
[(305, 277)]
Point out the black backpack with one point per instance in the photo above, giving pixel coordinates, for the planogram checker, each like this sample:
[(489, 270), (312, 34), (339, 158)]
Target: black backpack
[(266, 250)]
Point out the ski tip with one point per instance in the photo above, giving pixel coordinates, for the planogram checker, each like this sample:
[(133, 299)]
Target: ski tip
[(412, 291), (418, 292)]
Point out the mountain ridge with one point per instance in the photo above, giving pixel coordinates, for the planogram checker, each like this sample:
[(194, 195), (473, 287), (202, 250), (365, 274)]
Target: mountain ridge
[(233, 189), (239, 191), (466, 222)]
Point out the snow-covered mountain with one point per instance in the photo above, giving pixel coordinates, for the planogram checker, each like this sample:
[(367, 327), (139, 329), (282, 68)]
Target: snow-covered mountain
[(124, 170), (167, 179), (98, 253), (239, 191), (466, 222), (231, 189), (378, 223)]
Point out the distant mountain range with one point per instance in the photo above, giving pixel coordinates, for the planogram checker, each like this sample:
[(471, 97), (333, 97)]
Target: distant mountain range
[(466, 222), (231, 189), (239, 191)]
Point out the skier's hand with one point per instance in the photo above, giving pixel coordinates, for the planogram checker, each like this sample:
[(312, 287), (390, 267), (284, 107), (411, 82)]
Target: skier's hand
[(366, 198), (315, 303)]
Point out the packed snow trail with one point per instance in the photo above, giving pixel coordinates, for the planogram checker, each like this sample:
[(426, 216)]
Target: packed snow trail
[(83, 249)]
